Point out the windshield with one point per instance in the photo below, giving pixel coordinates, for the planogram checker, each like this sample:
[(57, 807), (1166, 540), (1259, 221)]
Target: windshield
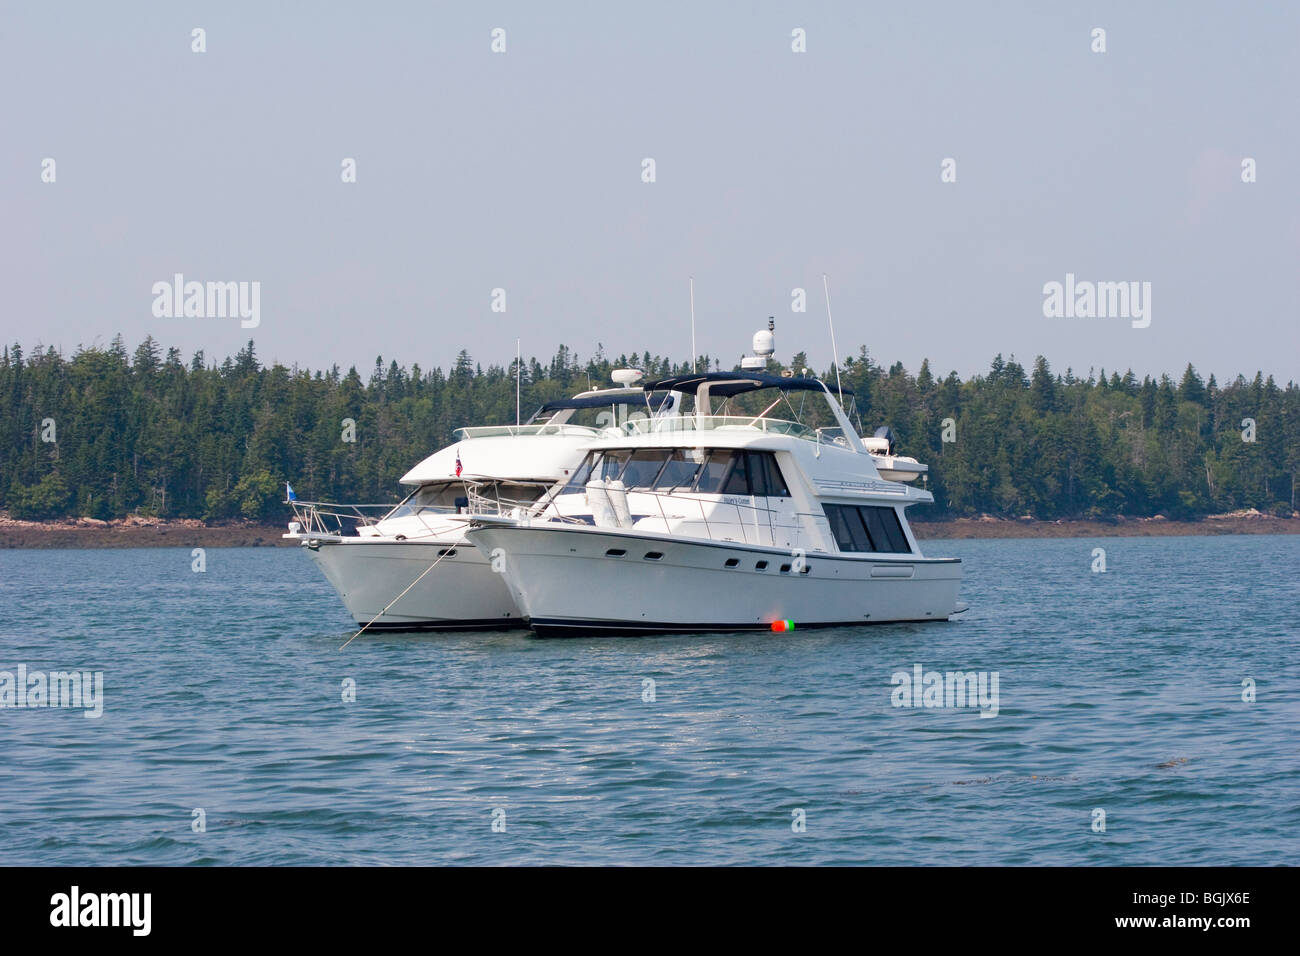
[(716, 471), (452, 497), (438, 496)]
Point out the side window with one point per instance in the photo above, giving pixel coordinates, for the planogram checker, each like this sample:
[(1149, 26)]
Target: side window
[(643, 467), (714, 472), (773, 482), (520, 493), (886, 533), (738, 482), (757, 473), (678, 473), (895, 531), (842, 520), (867, 528), (861, 539), (579, 479), (611, 464)]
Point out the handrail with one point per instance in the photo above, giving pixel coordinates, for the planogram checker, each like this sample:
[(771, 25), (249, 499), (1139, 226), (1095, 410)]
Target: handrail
[(698, 423), (481, 504), (546, 428), (660, 496), (323, 517), (547, 511)]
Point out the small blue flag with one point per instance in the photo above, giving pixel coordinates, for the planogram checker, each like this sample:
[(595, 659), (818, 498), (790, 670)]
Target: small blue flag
[(289, 488)]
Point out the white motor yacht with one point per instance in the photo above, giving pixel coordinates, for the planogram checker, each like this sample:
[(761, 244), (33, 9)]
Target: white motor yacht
[(379, 557), (718, 521)]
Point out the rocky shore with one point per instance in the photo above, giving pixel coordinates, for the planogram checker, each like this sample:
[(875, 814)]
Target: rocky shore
[(1237, 522), (146, 532), (138, 532)]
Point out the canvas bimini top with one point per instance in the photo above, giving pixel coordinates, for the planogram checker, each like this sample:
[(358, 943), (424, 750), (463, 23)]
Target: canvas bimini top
[(641, 398), (727, 384)]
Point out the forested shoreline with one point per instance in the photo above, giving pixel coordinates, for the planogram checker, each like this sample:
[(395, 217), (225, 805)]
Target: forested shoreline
[(108, 432)]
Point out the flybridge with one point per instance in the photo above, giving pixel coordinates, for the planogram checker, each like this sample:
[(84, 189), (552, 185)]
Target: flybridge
[(726, 385)]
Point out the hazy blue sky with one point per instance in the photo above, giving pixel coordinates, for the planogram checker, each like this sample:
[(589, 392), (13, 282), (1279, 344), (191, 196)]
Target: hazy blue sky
[(522, 171)]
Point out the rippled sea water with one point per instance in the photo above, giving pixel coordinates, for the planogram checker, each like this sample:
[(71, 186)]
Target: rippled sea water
[(1119, 691)]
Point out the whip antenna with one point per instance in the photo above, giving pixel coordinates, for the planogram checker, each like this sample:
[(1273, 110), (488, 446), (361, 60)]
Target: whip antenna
[(835, 355), (693, 353)]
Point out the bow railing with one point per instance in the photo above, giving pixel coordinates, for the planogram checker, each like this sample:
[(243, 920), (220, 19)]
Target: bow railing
[(330, 518)]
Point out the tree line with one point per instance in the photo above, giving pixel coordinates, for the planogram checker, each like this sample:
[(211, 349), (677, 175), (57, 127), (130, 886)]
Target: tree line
[(107, 433)]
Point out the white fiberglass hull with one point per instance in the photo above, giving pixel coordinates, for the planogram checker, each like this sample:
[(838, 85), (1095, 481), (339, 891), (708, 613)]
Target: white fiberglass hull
[(566, 581), (461, 593)]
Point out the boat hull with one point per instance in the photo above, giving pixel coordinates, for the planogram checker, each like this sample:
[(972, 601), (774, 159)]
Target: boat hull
[(565, 581), (461, 593)]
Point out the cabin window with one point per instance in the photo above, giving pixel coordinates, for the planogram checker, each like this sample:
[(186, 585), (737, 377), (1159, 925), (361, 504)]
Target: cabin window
[(713, 473), (430, 496), (765, 475), (437, 496), (738, 482), (611, 464), (742, 473), (871, 528), (858, 530), (719, 471), (849, 533), (884, 527), (583, 474), (508, 492), (643, 467), (678, 472)]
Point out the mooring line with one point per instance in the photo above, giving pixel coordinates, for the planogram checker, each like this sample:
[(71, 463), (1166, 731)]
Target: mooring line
[(445, 552)]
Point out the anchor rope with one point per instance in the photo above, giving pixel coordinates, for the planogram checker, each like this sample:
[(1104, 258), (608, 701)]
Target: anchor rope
[(445, 552)]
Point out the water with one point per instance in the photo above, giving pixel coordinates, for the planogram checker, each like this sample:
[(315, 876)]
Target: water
[(1119, 691)]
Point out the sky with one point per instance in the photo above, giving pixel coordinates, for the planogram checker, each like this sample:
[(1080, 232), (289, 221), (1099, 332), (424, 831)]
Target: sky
[(524, 171)]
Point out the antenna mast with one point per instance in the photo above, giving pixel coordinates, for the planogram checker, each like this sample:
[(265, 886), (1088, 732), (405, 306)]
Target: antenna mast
[(693, 352), (835, 355), (519, 364)]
